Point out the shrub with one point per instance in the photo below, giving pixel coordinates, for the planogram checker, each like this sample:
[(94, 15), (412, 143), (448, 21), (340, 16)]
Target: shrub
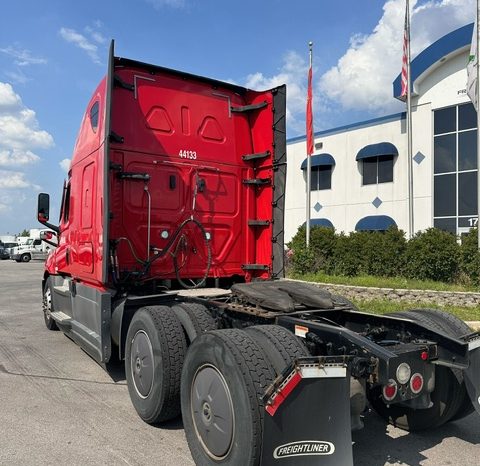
[(348, 255), (470, 257), (322, 243), (432, 255), (384, 253), (320, 254)]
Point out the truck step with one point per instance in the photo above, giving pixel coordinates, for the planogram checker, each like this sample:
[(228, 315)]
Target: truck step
[(64, 290), (62, 318), (259, 155), (257, 181), (259, 223), (248, 108), (255, 267)]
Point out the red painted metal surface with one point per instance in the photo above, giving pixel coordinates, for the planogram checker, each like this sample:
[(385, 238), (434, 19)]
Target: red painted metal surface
[(183, 134)]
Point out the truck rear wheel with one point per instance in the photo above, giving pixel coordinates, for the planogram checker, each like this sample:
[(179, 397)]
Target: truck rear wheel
[(280, 345), (48, 306), (195, 319), (224, 377), (447, 397), (155, 349)]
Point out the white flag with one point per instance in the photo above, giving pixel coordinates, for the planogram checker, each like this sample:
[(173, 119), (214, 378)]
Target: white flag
[(472, 69)]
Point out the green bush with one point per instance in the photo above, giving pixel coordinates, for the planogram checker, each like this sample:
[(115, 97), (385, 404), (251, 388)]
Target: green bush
[(348, 255), (433, 255), (470, 257), (322, 243), (430, 255), (319, 256), (384, 252)]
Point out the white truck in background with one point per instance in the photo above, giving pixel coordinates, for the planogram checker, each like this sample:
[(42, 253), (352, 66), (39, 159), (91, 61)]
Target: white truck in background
[(31, 247)]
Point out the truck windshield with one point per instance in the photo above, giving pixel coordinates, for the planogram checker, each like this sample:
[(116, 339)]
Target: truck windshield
[(29, 241)]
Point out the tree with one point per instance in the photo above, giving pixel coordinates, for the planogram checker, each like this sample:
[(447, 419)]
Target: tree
[(24, 233)]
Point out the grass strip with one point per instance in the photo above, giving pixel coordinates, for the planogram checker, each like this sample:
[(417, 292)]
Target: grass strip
[(381, 306), (383, 282)]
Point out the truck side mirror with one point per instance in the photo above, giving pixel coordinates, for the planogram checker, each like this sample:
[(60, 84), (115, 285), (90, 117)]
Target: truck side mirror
[(43, 209)]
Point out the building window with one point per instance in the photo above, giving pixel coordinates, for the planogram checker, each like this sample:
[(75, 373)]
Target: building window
[(321, 178), (378, 169), (455, 168)]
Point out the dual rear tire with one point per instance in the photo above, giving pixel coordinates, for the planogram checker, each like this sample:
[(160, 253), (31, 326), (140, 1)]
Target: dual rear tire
[(225, 375), (155, 349), (218, 383)]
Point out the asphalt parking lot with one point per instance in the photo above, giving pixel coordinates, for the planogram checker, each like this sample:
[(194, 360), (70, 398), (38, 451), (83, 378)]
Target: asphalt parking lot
[(57, 406)]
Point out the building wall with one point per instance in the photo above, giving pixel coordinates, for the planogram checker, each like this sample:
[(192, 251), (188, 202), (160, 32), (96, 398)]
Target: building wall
[(348, 201)]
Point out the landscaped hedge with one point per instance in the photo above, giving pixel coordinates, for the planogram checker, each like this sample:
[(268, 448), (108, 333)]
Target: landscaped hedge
[(430, 255)]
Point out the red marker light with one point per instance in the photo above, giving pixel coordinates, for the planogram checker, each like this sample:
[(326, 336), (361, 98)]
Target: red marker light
[(416, 383), (424, 355), (389, 391)]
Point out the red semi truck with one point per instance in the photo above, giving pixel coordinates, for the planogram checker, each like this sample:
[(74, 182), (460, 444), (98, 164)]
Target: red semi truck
[(177, 182)]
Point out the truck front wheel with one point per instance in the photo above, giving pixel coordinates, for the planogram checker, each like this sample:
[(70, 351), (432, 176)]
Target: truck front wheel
[(48, 306), (155, 349), (25, 258), (224, 377)]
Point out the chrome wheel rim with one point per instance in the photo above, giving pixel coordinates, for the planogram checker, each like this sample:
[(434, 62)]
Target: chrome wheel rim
[(47, 304)]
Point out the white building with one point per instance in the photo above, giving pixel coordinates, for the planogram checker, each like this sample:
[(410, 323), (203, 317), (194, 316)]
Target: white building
[(360, 172)]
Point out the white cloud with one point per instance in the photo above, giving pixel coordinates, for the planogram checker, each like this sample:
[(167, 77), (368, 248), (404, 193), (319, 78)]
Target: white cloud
[(80, 41), (96, 35), (13, 180), (20, 136), (362, 78), (158, 4), (293, 73), (16, 157), (18, 124), (23, 57), (65, 164)]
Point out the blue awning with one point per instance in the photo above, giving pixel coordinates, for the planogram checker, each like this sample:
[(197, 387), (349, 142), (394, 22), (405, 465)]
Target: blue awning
[(320, 222), (375, 150), (319, 160), (375, 223)]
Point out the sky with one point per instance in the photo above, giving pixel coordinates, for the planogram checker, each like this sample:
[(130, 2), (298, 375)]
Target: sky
[(53, 54)]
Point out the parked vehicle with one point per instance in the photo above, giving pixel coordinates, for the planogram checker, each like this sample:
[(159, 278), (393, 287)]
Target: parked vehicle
[(3, 253), (177, 182), (7, 247), (32, 248)]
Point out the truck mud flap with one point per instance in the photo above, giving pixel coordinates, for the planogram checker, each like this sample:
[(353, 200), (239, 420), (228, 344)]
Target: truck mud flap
[(472, 373), (307, 419)]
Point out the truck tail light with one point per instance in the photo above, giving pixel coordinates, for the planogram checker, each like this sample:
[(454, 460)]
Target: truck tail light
[(403, 373), (389, 391), (416, 383)]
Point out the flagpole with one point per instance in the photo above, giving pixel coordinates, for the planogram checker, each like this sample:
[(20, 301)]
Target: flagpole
[(309, 166), (411, 229), (477, 94)]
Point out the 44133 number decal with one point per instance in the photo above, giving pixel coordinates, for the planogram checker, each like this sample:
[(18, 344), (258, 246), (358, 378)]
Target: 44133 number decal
[(187, 154)]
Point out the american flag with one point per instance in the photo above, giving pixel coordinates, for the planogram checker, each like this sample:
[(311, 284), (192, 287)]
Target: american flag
[(406, 39)]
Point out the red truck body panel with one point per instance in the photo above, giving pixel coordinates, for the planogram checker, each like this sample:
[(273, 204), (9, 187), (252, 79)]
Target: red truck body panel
[(157, 148)]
